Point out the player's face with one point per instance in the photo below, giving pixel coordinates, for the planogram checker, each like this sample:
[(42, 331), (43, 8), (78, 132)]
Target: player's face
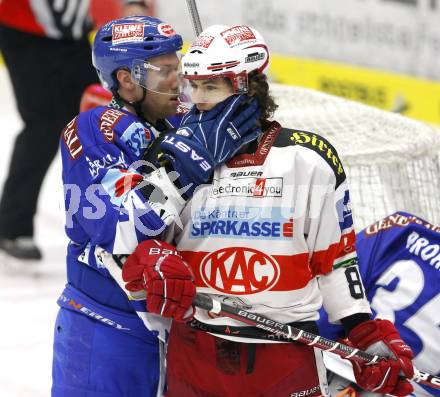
[(206, 93), (164, 101)]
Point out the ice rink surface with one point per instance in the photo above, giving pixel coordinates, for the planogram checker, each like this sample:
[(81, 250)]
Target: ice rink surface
[(28, 301)]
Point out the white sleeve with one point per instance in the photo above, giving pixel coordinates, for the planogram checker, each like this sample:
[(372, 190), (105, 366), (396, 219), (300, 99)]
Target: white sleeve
[(339, 278)]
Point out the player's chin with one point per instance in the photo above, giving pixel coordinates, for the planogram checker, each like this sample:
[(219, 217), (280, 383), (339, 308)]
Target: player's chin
[(173, 103), (204, 107)]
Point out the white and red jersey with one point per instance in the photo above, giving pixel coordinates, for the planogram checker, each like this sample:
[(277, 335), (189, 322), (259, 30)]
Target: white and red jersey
[(274, 232)]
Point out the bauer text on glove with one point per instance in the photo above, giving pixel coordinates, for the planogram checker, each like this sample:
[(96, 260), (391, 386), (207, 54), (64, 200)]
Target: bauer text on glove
[(156, 267)]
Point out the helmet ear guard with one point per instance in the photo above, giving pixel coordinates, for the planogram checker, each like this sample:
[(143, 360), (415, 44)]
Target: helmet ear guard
[(240, 83)]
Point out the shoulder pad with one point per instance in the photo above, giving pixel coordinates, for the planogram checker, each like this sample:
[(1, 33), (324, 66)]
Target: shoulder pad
[(399, 221), (317, 143), (89, 128), (106, 119), (72, 142)]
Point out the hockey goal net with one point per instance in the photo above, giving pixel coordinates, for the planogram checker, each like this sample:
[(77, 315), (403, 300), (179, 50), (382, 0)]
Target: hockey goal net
[(392, 162)]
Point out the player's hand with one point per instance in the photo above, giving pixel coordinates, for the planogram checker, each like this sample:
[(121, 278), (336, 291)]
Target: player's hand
[(94, 95), (388, 376), (225, 128), (192, 162), (156, 267)]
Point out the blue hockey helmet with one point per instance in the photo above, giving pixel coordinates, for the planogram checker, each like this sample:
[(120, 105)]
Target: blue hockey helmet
[(119, 42)]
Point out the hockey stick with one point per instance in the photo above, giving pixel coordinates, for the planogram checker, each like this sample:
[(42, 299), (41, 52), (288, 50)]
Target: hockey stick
[(194, 14), (286, 331)]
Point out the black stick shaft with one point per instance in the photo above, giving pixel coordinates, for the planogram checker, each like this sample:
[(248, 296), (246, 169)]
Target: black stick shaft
[(195, 17), (288, 332)]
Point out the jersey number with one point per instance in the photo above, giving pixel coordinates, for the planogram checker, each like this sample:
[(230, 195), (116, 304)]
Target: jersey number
[(424, 322), (354, 282)]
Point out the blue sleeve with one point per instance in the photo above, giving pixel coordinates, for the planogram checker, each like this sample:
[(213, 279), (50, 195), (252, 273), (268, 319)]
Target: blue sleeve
[(105, 200)]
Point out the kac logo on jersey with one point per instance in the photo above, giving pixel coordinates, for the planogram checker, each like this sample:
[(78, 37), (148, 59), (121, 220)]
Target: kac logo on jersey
[(239, 271)]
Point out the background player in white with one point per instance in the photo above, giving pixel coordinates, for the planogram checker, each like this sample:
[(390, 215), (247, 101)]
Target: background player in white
[(399, 260), (273, 233)]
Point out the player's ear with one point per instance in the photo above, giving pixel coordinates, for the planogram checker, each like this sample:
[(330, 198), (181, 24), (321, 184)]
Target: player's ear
[(124, 78)]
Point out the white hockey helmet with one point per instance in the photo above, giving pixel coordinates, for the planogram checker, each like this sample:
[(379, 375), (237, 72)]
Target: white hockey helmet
[(226, 51)]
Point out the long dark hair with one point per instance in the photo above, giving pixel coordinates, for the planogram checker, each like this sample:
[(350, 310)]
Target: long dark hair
[(259, 88)]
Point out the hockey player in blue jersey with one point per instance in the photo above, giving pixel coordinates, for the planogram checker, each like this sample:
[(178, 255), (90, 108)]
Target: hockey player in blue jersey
[(399, 260), (106, 344)]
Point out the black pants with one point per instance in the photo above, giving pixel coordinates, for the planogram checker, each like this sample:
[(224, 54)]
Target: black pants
[(48, 77)]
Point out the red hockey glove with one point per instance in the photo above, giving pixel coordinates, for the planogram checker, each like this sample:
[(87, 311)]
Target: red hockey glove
[(157, 268), (382, 338), (94, 95)]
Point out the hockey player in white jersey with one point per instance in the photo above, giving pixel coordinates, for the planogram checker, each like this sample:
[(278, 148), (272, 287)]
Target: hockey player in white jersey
[(274, 233)]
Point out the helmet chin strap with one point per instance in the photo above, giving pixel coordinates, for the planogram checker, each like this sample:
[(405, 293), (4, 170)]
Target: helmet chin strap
[(137, 105)]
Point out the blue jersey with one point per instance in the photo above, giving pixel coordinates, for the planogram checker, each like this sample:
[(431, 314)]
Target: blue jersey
[(399, 260), (106, 205)]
